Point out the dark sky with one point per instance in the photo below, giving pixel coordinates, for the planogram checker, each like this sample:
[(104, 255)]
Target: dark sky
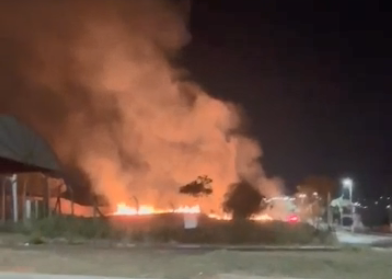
[(314, 78)]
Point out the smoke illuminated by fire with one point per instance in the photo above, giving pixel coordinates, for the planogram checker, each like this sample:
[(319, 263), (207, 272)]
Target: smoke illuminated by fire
[(96, 80)]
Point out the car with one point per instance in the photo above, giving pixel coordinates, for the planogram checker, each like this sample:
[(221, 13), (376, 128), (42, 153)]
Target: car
[(283, 209)]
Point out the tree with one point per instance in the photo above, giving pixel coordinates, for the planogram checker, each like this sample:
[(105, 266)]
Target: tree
[(243, 200), (199, 187)]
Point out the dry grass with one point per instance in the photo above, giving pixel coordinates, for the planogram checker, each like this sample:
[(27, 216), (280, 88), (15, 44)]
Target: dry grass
[(167, 228), (148, 263)]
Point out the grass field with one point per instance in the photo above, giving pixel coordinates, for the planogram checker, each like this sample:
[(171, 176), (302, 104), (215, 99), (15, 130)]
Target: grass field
[(88, 259), (153, 263), (169, 228)]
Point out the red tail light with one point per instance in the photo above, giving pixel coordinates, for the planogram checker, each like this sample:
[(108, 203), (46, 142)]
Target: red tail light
[(293, 219)]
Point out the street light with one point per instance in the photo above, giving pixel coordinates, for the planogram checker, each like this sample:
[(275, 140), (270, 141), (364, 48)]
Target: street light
[(348, 184)]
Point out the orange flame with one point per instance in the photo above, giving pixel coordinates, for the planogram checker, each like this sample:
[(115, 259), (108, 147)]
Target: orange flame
[(262, 217), (123, 209)]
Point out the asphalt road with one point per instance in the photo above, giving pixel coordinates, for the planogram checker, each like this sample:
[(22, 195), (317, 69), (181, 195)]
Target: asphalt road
[(364, 239), (6, 275), (46, 276)]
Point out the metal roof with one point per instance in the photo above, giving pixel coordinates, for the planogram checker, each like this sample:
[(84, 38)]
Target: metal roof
[(23, 150)]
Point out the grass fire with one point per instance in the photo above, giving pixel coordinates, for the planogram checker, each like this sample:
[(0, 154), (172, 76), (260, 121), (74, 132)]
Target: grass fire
[(134, 126), (242, 202), (143, 125), (123, 209)]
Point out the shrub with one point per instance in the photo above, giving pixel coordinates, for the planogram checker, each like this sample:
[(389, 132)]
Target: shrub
[(167, 228), (63, 226), (36, 239), (242, 200)]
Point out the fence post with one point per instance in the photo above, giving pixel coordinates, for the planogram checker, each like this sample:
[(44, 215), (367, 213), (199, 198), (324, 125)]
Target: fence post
[(14, 183), (329, 213), (72, 203), (27, 212), (3, 199), (36, 209), (24, 190)]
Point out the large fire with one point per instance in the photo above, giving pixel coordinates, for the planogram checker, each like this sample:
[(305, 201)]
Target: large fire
[(124, 210)]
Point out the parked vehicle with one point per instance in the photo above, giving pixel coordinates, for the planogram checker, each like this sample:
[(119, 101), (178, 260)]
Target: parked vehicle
[(282, 208)]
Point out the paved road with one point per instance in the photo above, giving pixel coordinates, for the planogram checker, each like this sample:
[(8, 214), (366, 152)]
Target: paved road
[(6, 275), (228, 276), (364, 239)]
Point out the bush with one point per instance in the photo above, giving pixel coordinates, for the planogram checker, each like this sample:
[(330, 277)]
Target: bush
[(67, 226), (248, 232), (242, 200), (167, 228)]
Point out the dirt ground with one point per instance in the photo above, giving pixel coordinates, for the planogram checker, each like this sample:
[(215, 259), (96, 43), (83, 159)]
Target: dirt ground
[(152, 263)]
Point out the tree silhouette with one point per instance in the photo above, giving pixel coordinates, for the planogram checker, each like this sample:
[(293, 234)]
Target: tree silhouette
[(199, 187), (243, 200)]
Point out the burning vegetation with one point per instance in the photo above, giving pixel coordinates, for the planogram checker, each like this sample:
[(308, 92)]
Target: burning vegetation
[(110, 98), (112, 102), (242, 201)]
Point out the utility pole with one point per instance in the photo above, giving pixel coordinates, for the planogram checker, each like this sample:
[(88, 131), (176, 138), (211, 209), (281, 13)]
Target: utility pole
[(329, 213)]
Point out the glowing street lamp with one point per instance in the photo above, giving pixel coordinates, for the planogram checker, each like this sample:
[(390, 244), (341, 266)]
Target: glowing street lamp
[(348, 184)]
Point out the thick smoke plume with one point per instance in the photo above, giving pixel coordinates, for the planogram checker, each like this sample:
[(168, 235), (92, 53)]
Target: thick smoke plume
[(95, 79)]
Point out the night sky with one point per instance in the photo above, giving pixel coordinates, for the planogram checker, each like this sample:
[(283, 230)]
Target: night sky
[(313, 77)]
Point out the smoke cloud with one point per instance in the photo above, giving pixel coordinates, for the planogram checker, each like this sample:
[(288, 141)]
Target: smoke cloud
[(96, 80)]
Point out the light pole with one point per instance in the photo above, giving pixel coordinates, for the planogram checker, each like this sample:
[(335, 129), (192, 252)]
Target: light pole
[(348, 184)]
